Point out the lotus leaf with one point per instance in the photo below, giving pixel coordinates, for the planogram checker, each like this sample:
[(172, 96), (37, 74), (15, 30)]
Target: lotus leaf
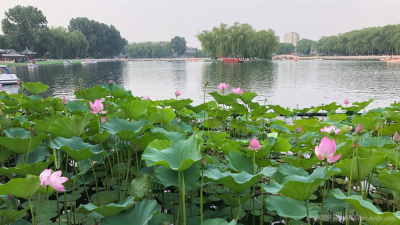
[(134, 109), (141, 185), (111, 209), (76, 148), (218, 221), (238, 182), (140, 215), (240, 162), (35, 87), (68, 127), (21, 187), (288, 208), (169, 177), (93, 93), (124, 129), (361, 167), (179, 157), (22, 145)]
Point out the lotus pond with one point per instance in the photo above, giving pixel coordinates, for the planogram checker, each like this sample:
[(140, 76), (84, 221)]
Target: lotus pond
[(127, 159)]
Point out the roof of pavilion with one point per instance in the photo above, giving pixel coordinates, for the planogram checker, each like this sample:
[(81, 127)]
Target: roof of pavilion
[(1, 50), (27, 52)]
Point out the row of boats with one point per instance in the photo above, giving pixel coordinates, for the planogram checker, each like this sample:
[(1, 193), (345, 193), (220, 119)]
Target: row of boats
[(390, 59)]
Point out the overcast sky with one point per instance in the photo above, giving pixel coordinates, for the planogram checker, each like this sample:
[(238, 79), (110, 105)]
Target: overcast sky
[(161, 20)]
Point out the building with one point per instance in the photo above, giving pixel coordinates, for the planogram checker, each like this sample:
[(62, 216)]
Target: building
[(28, 53), (292, 38), (189, 52), (12, 55)]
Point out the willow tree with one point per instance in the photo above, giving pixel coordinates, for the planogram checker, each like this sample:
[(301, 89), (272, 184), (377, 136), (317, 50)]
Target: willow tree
[(239, 40)]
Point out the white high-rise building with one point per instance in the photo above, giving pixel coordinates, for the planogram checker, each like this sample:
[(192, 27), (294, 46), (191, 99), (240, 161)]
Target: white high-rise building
[(292, 38)]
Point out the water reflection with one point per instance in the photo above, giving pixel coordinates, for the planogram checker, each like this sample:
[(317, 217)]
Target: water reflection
[(286, 83)]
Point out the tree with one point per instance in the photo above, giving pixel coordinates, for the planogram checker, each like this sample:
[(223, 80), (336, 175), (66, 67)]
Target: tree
[(167, 50), (26, 27), (4, 42), (178, 45), (285, 48), (304, 46)]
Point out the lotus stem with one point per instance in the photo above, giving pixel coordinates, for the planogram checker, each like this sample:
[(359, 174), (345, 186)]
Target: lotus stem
[(308, 213), (349, 189), (47, 203), (201, 196), (183, 199), (240, 207), (397, 156), (324, 192), (33, 216)]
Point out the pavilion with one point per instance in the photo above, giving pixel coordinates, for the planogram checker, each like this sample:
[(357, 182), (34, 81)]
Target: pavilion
[(28, 53)]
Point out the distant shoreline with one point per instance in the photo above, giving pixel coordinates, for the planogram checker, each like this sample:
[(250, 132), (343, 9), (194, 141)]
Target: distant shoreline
[(367, 57)]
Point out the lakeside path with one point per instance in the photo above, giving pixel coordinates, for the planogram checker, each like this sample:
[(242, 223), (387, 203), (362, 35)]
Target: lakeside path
[(368, 57)]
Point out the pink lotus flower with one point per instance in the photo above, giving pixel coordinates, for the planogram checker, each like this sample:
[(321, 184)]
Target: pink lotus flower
[(97, 107), (359, 129), (1, 85), (145, 97), (237, 91), (177, 93), (110, 81), (346, 101), (299, 129), (222, 86), (18, 82), (54, 180), (254, 145), (1, 113), (396, 137), (327, 150), (64, 101), (332, 129), (42, 99), (103, 119)]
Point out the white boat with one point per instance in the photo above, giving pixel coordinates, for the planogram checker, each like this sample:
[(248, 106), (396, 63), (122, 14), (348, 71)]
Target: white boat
[(92, 61), (67, 63), (319, 59), (32, 64), (7, 78)]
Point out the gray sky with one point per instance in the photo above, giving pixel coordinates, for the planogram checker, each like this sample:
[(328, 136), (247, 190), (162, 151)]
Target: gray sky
[(161, 20)]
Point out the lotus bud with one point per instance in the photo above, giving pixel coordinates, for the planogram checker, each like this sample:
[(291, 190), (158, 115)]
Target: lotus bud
[(359, 129), (42, 99), (1, 113), (110, 81), (331, 132), (346, 101), (103, 119), (396, 137), (295, 140), (297, 106), (46, 110), (205, 85), (344, 129), (350, 128), (18, 82), (135, 148), (32, 125), (299, 129), (13, 99), (254, 145), (80, 80), (1, 86), (203, 162), (379, 126), (356, 139), (64, 101), (76, 88)]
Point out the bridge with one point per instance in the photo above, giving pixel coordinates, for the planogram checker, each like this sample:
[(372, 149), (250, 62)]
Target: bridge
[(285, 57)]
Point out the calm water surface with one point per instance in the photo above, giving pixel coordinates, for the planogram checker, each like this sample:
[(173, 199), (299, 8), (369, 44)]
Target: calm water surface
[(287, 83)]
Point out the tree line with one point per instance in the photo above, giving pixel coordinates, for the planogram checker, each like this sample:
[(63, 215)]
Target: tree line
[(239, 40), (368, 41), (27, 27)]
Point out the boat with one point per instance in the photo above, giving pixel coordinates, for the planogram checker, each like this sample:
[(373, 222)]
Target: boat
[(319, 59), (67, 63), (92, 61), (191, 60), (231, 60), (7, 78), (85, 62), (393, 60), (170, 60), (385, 58), (32, 64)]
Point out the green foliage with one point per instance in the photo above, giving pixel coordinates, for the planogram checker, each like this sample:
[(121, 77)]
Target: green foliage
[(178, 45), (285, 48)]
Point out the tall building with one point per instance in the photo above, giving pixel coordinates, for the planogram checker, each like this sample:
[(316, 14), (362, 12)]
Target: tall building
[(292, 38)]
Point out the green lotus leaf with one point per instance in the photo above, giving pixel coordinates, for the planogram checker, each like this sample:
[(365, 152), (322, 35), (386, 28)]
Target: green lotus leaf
[(160, 144), (361, 167), (246, 97), (237, 182), (108, 210), (69, 126), (25, 169), (368, 211), (390, 130), (218, 221), (279, 128), (37, 106), (281, 145), (179, 104), (141, 185), (35, 87), (170, 135), (288, 208), (117, 91), (140, 215), (4, 154), (134, 109), (21, 187), (298, 187), (303, 163), (338, 117), (180, 156), (17, 132), (77, 107), (330, 107), (76, 148), (240, 162), (42, 126), (22, 145), (278, 109), (307, 138), (12, 215), (124, 129), (291, 170), (221, 99), (374, 141), (36, 155), (167, 115), (366, 122), (170, 177), (233, 201), (91, 94), (392, 181)]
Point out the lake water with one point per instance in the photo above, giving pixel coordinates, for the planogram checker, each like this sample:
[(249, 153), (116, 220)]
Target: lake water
[(287, 83)]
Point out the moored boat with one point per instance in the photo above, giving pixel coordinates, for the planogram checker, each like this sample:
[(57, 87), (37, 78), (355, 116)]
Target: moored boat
[(231, 60), (393, 60), (7, 78)]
